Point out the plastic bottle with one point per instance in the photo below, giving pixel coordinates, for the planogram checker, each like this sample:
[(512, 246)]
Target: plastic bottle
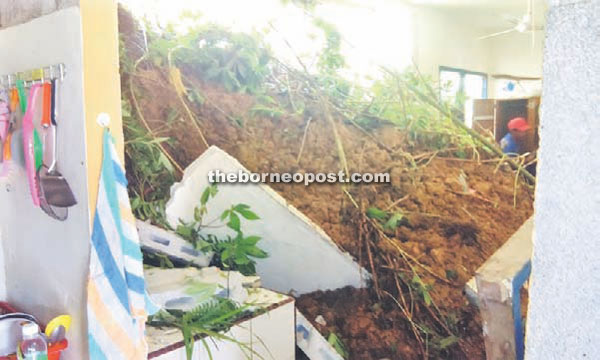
[(33, 346)]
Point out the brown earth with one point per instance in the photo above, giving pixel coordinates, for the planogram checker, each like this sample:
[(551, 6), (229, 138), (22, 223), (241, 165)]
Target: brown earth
[(449, 228), (446, 229)]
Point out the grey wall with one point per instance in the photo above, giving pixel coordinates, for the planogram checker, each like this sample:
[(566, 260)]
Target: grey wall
[(564, 309), (46, 261), (13, 12)]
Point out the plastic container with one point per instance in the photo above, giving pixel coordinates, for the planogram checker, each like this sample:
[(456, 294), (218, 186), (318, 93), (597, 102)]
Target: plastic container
[(54, 350), (33, 346)]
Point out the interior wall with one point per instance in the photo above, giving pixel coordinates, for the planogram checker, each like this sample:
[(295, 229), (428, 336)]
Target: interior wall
[(515, 54), (2, 269), (46, 261), (445, 38), (450, 38)]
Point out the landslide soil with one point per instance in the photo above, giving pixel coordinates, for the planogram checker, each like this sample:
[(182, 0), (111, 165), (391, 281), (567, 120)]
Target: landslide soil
[(457, 212)]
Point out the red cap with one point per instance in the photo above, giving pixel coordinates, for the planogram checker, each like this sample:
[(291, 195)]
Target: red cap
[(519, 124)]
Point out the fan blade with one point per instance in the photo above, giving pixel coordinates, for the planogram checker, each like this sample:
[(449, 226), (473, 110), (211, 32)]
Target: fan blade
[(496, 34)]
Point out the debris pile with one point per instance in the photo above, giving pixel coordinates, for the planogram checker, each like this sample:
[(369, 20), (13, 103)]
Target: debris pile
[(450, 204)]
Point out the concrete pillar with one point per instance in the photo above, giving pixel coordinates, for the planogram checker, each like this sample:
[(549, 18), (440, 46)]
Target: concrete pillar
[(564, 310)]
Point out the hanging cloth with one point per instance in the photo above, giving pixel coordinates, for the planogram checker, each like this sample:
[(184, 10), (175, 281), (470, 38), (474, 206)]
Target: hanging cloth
[(116, 287)]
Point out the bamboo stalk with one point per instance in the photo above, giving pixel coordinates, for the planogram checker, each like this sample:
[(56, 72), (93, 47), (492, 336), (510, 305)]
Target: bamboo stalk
[(457, 121)]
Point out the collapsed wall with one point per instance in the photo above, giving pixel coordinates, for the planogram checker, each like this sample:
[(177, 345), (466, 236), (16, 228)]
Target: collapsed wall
[(302, 257)]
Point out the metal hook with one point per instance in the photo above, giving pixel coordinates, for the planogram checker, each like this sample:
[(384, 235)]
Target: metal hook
[(62, 71), (103, 119)]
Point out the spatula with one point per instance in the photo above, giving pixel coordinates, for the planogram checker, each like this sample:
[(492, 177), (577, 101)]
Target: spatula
[(54, 187)]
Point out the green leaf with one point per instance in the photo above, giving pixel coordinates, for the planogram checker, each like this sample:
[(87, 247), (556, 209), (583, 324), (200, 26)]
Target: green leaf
[(135, 202), (209, 192), (184, 231), (393, 221), (448, 341), (166, 163), (375, 213), (225, 255), (198, 214), (225, 214), (423, 289), (247, 214), (234, 221), (250, 240), (427, 297), (256, 252), (241, 258), (240, 207), (338, 345)]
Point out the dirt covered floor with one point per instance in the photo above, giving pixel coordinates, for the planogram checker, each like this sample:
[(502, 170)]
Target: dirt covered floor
[(455, 213)]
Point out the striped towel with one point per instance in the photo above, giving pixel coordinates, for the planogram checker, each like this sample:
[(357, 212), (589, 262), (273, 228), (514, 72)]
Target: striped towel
[(116, 288)]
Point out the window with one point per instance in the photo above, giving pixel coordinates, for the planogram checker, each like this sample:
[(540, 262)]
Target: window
[(457, 82), (461, 87)]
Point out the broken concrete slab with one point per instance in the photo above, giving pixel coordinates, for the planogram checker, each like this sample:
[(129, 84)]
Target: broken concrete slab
[(302, 257), (498, 281), (156, 240), (187, 288), (269, 333), (311, 341)]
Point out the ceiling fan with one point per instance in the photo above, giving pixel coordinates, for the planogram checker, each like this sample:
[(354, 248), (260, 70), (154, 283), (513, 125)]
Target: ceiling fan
[(521, 25)]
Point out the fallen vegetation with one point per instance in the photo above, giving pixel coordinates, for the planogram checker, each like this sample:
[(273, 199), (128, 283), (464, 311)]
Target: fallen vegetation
[(451, 203)]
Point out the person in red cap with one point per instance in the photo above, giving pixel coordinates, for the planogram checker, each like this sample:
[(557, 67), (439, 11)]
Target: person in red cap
[(513, 142)]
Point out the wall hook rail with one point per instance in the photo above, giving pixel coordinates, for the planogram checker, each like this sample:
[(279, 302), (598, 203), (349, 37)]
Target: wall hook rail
[(34, 76)]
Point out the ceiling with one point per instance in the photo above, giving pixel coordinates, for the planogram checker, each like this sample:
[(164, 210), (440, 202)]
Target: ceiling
[(480, 4), (488, 14)]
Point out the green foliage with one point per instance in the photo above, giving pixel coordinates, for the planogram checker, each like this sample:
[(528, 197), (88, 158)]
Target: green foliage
[(330, 62), (391, 101), (238, 61), (422, 289), (448, 341), (230, 252), (151, 171), (213, 319), (157, 260), (267, 106), (389, 221), (238, 253), (331, 59)]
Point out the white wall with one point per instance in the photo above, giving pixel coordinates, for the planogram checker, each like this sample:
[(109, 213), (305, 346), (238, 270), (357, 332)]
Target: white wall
[(450, 38), (46, 261), (2, 269), (444, 38), (516, 54)]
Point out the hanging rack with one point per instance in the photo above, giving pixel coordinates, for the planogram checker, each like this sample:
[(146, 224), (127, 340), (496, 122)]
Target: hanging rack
[(34, 76)]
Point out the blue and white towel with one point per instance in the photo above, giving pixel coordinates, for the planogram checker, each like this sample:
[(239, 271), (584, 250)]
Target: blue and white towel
[(116, 288)]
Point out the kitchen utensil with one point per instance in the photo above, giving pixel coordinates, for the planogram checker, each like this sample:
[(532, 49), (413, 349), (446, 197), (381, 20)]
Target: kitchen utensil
[(29, 144), (12, 153), (58, 334), (54, 187), (57, 328), (4, 120)]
